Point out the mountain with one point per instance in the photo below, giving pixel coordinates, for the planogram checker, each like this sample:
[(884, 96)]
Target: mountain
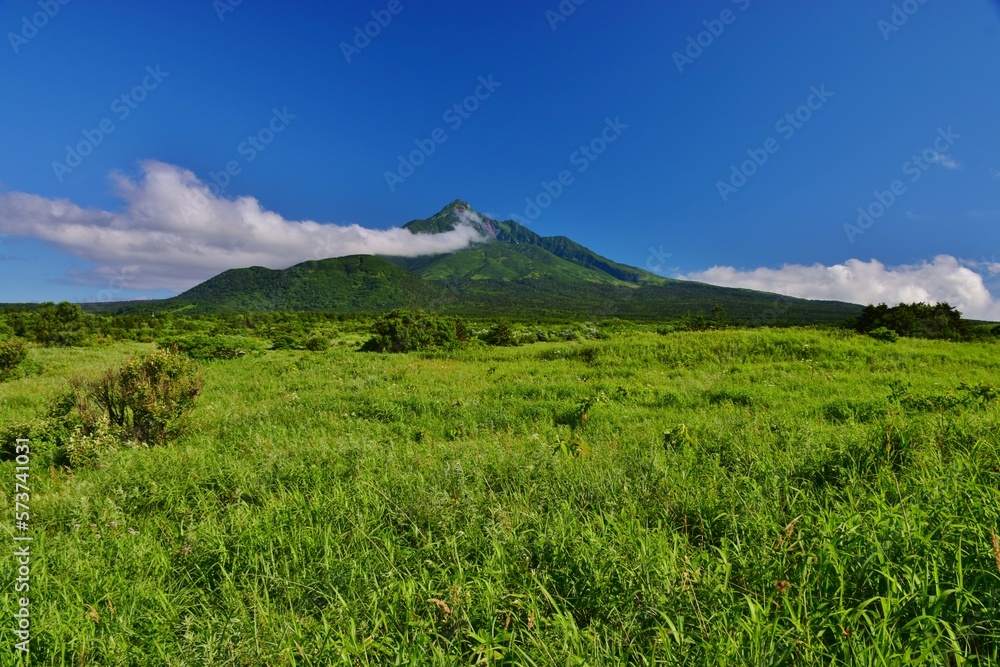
[(517, 239), (354, 283), (513, 272)]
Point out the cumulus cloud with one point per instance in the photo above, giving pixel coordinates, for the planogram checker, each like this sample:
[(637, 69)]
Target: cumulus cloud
[(173, 232), (944, 279)]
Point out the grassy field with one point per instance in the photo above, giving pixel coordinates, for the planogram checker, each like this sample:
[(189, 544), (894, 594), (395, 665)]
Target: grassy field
[(755, 497)]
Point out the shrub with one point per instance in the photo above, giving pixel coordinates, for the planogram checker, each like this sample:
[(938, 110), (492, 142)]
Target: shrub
[(59, 325), (12, 353), (883, 334), (207, 347), (285, 342), (147, 400), (501, 334), (46, 435), (918, 320), (402, 331), (88, 447), (317, 343)]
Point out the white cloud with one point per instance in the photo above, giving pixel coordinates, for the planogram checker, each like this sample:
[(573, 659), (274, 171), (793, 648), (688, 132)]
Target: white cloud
[(174, 233), (477, 222), (945, 279), (945, 161), (989, 266)]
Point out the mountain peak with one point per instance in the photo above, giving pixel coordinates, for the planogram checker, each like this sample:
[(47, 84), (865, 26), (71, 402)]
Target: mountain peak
[(510, 232), (456, 213)]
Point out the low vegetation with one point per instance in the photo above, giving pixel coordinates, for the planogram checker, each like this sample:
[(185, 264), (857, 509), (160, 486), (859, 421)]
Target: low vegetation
[(145, 401), (916, 320), (501, 334), (12, 354), (403, 331), (207, 347), (726, 497)]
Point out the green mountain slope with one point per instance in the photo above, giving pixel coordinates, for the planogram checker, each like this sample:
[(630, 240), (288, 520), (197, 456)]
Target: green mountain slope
[(355, 283), (516, 237), (495, 260)]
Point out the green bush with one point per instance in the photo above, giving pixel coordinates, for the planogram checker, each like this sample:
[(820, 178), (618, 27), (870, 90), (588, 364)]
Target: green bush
[(501, 335), (918, 320), (403, 331), (46, 436), (317, 343), (88, 447), (285, 342), (53, 325), (146, 400), (207, 347), (883, 334), (12, 353)]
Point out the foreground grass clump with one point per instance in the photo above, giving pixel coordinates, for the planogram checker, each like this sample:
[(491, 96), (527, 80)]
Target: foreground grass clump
[(146, 400), (730, 497), (143, 402)]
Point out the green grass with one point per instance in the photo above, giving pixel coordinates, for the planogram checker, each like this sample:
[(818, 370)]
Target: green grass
[(743, 498)]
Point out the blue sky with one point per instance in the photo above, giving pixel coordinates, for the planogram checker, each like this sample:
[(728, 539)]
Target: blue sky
[(645, 110)]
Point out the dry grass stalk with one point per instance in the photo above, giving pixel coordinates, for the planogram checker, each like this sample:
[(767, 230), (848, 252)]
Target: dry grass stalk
[(442, 605), (787, 534), (996, 548)]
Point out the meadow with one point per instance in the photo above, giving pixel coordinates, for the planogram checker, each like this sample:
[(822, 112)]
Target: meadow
[(734, 497)]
